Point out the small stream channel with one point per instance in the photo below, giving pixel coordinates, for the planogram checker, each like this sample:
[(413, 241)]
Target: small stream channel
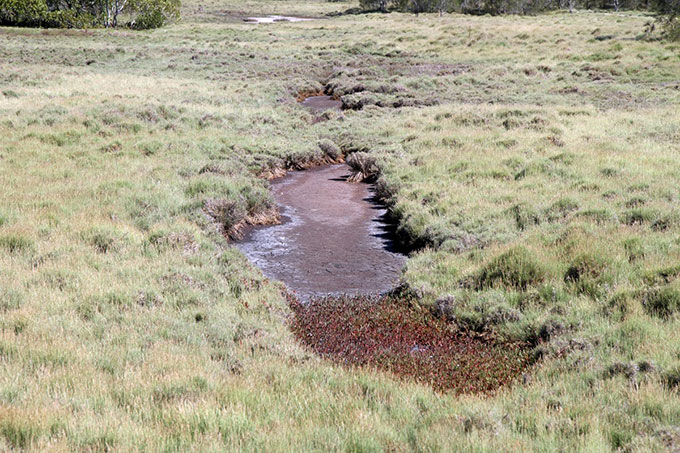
[(332, 239)]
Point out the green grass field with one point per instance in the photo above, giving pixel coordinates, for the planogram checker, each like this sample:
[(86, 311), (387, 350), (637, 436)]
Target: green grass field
[(532, 160)]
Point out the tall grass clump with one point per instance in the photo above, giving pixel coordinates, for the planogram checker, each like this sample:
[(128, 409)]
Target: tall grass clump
[(13, 243), (516, 268)]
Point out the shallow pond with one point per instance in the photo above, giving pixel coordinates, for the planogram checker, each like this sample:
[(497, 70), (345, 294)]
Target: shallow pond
[(272, 19), (332, 240)]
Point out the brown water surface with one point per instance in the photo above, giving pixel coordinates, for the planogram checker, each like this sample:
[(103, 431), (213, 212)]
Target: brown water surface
[(332, 239)]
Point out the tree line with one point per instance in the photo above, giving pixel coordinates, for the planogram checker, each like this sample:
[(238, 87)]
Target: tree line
[(139, 14), (496, 7), (668, 10)]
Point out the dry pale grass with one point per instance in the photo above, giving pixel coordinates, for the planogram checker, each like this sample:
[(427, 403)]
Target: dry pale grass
[(128, 323)]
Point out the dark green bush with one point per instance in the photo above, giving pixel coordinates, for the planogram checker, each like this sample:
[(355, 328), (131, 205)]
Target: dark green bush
[(25, 13), (669, 8), (150, 14), (374, 5), (68, 19), (145, 14)]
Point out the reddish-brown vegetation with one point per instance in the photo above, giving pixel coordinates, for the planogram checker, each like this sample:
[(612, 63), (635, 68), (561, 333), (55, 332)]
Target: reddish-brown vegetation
[(401, 337)]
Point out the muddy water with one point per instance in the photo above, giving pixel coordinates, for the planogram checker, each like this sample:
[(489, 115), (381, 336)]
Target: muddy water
[(332, 238), (321, 103)]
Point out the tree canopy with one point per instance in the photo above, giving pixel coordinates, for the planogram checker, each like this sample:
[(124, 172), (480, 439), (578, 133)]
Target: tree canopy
[(139, 14)]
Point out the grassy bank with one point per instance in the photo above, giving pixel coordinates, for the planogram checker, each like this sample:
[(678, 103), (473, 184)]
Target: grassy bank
[(534, 158)]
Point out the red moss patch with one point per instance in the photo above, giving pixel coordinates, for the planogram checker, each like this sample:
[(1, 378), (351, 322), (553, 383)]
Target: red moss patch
[(401, 337)]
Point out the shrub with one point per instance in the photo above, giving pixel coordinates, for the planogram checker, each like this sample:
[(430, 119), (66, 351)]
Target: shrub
[(26, 13), (516, 269), (670, 17), (70, 18), (374, 5), (51, 13), (478, 7), (154, 13)]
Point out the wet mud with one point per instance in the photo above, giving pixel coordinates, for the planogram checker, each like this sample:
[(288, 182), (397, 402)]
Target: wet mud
[(332, 240), (321, 103)]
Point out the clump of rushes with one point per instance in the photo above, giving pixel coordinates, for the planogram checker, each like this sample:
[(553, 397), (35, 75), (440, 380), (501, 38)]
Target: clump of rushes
[(364, 167), (407, 340)]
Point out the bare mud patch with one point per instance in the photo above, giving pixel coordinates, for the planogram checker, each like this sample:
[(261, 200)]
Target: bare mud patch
[(318, 104), (332, 239)]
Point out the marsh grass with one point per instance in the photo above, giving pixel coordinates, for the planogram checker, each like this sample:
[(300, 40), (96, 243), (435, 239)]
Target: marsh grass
[(129, 323)]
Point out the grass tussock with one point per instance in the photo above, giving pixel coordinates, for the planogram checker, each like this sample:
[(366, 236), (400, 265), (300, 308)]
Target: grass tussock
[(517, 268)]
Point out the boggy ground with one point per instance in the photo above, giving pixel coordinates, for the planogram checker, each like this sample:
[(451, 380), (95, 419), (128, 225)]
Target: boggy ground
[(394, 333), (533, 160)]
